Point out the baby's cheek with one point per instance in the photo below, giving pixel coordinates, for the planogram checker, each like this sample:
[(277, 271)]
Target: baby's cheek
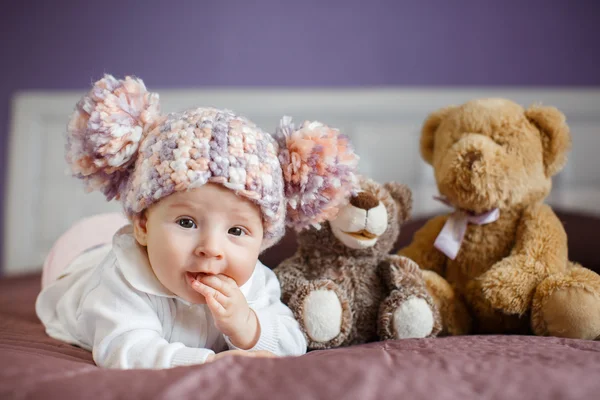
[(167, 264), (171, 249), (242, 266)]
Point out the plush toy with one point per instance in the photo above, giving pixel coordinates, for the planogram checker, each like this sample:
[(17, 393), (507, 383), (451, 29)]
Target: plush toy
[(343, 285), (499, 262)]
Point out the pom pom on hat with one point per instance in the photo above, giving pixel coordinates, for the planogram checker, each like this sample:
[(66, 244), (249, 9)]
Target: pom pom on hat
[(318, 165), (105, 130), (119, 143)]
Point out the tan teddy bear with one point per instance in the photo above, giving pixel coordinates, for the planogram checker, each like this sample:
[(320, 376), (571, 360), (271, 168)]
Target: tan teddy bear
[(499, 263), (343, 285)]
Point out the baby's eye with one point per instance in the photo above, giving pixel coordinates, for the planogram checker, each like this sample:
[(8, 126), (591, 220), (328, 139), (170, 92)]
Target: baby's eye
[(186, 223), (236, 231)]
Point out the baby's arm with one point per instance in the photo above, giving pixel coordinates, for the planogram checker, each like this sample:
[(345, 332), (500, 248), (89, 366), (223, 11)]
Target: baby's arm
[(279, 332), (126, 332), (147, 349)]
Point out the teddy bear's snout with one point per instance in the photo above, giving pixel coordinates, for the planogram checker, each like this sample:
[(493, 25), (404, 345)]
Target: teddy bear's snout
[(471, 157)]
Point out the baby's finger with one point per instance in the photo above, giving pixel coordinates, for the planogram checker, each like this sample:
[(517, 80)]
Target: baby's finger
[(228, 280), (218, 284), (215, 307), (210, 293)]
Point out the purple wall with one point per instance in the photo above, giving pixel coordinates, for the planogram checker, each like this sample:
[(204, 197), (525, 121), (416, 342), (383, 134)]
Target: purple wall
[(66, 45)]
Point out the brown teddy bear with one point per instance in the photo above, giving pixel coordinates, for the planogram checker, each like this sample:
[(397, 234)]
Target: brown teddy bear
[(499, 263), (343, 285)]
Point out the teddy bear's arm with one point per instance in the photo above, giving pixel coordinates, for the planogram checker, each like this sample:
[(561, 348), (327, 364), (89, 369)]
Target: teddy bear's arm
[(421, 249), (542, 237), (540, 250), (291, 275)]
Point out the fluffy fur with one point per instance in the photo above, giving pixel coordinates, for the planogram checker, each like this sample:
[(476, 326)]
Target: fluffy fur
[(512, 275), (370, 283)]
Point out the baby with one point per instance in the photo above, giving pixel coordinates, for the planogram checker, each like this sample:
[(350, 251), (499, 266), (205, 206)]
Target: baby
[(205, 192)]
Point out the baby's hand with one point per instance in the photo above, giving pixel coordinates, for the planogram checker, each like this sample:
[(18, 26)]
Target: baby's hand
[(241, 353), (233, 317)]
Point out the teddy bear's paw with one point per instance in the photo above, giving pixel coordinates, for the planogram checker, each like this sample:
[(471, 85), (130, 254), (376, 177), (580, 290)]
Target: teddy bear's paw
[(507, 287), (567, 305), (413, 319), (572, 313), (322, 315)]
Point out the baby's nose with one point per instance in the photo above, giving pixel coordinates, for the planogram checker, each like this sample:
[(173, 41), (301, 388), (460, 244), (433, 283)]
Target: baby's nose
[(210, 254), (209, 249)]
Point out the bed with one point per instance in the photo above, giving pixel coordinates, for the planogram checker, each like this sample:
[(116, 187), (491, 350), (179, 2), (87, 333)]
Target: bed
[(379, 122), (468, 367)]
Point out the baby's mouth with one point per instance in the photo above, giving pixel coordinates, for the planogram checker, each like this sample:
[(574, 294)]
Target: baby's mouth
[(194, 276)]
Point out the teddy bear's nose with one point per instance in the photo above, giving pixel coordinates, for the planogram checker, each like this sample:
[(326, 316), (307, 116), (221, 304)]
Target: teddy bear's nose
[(364, 200), (471, 157)]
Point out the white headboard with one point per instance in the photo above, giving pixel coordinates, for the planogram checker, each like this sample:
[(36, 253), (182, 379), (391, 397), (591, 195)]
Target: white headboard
[(383, 124)]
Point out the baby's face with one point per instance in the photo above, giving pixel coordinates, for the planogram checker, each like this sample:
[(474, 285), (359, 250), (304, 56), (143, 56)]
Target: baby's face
[(207, 230)]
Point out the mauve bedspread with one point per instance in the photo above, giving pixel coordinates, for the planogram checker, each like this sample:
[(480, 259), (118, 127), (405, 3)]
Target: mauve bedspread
[(472, 367)]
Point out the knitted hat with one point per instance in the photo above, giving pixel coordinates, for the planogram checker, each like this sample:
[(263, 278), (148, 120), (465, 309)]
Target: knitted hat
[(120, 144)]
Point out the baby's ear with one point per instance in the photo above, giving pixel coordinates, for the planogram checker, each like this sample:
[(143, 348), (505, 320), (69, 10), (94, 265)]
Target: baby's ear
[(402, 195), (556, 139), (428, 130), (140, 230)]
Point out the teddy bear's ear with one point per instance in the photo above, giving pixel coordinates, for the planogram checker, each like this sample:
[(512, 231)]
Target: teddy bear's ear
[(403, 197), (556, 139), (428, 130)]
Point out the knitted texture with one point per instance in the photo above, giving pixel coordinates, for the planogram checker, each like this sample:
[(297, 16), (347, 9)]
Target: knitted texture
[(105, 130), (119, 144), (318, 165)]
